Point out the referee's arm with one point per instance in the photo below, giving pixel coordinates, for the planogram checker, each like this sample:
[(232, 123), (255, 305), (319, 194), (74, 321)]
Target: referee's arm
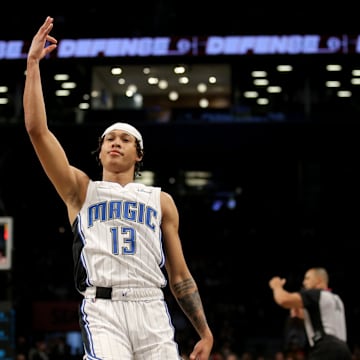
[(286, 299)]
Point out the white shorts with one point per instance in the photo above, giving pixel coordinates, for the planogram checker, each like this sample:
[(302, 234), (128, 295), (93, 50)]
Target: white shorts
[(133, 325)]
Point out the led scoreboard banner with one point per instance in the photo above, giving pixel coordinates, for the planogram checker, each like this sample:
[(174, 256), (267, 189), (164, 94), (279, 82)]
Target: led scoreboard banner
[(6, 240), (193, 46), (7, 315)]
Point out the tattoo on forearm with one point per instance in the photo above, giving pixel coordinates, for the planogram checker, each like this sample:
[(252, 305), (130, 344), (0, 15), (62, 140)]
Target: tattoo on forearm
[(183, 287), (190, 302)]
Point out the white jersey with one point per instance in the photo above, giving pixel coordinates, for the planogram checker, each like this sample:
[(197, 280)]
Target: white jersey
[(117, 237)]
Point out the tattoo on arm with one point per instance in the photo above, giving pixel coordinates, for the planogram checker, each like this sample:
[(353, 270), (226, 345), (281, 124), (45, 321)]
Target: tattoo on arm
[(183, 287), (189, 300)]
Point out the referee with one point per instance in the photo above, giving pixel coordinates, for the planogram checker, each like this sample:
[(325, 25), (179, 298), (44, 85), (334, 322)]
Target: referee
[(322, 311)]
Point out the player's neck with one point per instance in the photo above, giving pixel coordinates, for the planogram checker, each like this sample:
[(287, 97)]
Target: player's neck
[(122, 178)]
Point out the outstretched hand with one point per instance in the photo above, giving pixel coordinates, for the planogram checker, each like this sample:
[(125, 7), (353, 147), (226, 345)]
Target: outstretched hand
[(39, 47)]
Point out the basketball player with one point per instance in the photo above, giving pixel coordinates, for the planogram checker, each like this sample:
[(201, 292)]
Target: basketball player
[(120, 231), (322, 311)]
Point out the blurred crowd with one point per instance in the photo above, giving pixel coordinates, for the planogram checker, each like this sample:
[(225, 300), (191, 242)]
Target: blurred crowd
[(56, 348)]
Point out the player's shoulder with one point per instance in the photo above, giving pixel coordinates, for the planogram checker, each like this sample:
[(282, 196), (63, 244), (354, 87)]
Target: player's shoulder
[(166, 198)]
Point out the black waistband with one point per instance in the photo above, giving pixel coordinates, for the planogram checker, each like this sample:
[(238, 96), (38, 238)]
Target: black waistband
[(103, 292)]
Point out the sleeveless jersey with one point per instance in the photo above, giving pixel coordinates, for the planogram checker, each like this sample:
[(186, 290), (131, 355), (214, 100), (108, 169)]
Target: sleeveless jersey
[(117, 237)]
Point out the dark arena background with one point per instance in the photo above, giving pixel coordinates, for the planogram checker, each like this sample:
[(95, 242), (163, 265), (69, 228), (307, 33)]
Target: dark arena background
[(257, 141)]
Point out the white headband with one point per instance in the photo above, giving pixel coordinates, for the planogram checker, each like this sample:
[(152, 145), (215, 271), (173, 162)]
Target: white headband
[(128, 128)]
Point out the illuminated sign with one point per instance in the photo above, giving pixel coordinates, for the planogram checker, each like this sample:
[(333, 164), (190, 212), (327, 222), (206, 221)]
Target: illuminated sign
[(207, 46), (6, 239)]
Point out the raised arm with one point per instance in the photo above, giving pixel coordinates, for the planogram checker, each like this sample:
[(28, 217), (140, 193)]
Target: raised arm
[(284, 298), (181, 282), (67, 180)]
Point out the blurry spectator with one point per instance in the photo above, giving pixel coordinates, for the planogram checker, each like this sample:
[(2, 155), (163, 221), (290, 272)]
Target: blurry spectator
[(39, 351), (232, 356), (60, 350)]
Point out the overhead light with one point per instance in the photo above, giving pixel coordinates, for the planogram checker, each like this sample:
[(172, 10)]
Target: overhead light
[(262, 101), (201, 88), (284, 68), (153, 80), (261, 82), (204, 103), (344, 93), (333, 67), (274, 89), (258, 73), (197, 178), (251, 94), (62, 92), (217, 205), (68, 85), (116, 70), (61, 77), (332, 84), (183, 80), (163, 84), (173, 95), (179, 69), (84, 106), (212, 80)]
